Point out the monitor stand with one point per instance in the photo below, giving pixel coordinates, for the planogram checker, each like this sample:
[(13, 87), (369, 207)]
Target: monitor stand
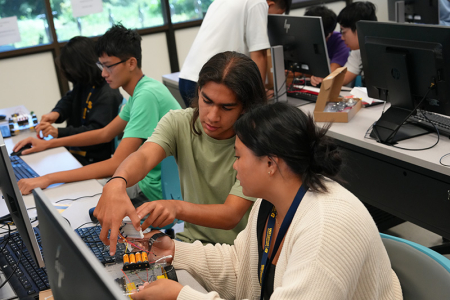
[(392, 127)]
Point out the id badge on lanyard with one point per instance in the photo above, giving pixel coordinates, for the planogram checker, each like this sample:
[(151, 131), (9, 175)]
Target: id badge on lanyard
[(265, 259)]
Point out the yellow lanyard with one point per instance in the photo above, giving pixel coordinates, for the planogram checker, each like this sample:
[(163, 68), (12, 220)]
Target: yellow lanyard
[(87, 105)]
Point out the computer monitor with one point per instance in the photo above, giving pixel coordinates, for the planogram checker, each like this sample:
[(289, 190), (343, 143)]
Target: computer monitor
[(303, 42), (401, 62), (16, 206), (73, 270), (414, 11)]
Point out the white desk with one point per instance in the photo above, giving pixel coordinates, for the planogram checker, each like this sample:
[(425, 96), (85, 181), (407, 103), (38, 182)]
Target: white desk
[(49, 161), (411, 185), (354, 132)]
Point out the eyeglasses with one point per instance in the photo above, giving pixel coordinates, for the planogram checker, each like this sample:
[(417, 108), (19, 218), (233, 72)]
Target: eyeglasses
[(108, 68)]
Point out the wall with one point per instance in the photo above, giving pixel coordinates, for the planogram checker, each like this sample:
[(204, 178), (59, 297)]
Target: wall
[(184, 39), (29, 80)]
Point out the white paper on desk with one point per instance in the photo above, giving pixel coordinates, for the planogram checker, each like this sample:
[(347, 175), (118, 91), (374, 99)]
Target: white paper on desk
[(361, 92), (9, 31), (82, 8)]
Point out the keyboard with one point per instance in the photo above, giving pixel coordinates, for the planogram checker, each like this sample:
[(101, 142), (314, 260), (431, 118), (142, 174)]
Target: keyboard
[(304, 95), (91, 236), (28, 279), (21, 168), (441, 122)]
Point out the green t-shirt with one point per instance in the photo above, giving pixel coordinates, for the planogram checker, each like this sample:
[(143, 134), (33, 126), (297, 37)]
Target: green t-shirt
[(206, 171), (151, 100)]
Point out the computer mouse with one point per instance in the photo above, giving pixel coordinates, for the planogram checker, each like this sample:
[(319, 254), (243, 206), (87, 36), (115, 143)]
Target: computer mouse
[(91, 215), (2, 117), (19, 152)]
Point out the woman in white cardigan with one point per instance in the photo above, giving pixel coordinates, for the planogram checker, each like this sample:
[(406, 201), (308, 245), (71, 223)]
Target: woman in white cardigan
[(309, 239)]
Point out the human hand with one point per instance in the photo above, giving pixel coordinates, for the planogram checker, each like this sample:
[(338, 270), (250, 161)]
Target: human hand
[(316, 80), (162, 213), (113, 206), (37, 145), (161, 289), (163, 246), (26, 185), (47, 129), (50, 117)]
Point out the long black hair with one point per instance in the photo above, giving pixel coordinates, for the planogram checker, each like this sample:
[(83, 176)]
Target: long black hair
[(238, 73), (77, 62), (283, 131)]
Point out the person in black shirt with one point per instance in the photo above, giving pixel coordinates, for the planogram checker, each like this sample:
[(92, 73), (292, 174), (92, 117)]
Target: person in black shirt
[(91, 104)]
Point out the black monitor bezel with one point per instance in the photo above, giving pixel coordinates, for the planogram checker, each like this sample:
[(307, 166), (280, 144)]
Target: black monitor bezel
[(73, 270), (306, 32)]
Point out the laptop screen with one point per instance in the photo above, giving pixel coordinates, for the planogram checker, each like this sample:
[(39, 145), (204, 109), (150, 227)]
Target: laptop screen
[(16, 206), (73, 270)]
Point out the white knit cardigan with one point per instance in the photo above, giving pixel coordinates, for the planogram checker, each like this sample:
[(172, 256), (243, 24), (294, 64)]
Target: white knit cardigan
[(332, 250)]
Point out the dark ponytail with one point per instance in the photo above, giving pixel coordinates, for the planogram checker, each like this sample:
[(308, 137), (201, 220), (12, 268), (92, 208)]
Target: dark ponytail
[(283, 131)]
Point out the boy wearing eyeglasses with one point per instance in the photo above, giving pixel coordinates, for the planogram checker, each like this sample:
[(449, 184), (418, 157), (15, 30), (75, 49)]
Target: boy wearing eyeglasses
[(120, 58), (347, 19)]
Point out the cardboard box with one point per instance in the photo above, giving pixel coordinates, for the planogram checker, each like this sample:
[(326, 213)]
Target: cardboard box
[(329, 92)]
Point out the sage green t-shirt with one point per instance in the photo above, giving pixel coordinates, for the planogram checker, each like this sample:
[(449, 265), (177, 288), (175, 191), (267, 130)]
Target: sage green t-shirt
[(151, 100), (206, 171)]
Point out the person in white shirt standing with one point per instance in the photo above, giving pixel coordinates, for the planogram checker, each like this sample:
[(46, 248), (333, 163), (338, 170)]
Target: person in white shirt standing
[(239, 26)]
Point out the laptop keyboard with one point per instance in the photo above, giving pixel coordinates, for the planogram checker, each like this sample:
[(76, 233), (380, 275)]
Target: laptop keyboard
[(21, 168), (28, 279)]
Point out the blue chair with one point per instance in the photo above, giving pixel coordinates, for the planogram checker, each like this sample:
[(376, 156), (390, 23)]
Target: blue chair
[(170, 184), (170, 180), (422, 272), (358, 81)]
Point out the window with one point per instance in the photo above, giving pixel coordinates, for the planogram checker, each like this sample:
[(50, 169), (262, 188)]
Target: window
[(136, 14), (32, 22), (188, 10)]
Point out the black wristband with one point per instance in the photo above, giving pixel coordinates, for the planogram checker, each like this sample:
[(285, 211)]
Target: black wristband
[(126, 182)]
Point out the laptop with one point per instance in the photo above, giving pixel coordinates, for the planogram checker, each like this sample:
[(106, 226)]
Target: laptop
[(73, 270)]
